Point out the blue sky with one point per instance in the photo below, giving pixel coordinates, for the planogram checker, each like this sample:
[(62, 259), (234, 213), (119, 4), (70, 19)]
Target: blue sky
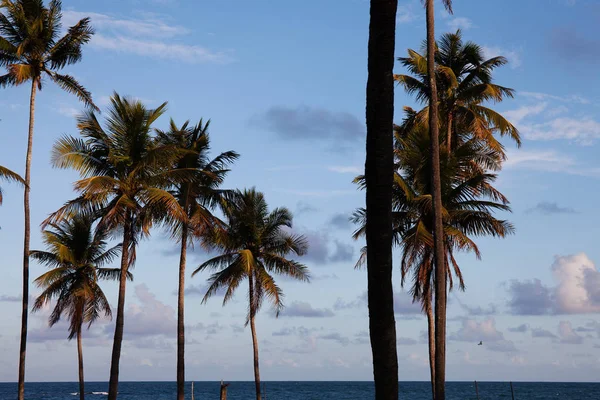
[(284, 85)]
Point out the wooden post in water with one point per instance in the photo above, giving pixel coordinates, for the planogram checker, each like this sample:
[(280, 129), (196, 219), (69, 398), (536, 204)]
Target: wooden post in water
[(224, 390), (512, 392), (476, 390), (192, 390)]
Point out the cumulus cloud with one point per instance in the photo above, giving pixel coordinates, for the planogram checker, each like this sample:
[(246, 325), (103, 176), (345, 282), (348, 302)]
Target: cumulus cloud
[(305, 310), (577, 290), (148, 317), (474, 331), (549, 208), (305, 208), (567, 334), (304, 123)]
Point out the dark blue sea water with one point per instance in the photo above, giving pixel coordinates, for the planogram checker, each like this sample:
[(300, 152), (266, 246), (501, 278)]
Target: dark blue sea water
[(306, 390)]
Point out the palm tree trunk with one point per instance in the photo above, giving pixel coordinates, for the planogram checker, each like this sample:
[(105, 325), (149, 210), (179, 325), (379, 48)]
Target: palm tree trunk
[(438, 246), (180, 316), (254, 339), (449, 133), (379, 170), (431, 333), (26, 238), (113, 385), (80, 354)]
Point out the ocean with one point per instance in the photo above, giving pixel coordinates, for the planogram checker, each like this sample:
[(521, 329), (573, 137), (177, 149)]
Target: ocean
[(306, 390)]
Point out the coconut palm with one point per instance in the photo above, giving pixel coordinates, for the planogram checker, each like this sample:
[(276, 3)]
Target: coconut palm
[(253, 246), (123, 173), (464, 79), (76, 255), (469, 202), (198, 197), (379, 177), (31, 49), (438, 231)]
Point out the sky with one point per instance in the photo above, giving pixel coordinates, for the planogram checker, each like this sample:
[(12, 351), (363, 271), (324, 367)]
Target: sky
[(283, 83)]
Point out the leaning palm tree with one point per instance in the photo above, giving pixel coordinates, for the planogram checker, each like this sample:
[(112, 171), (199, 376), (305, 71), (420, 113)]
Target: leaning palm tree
[(378, 175), (198, 195), (30, 49), (76, 255), (254, 245), (123, 173)]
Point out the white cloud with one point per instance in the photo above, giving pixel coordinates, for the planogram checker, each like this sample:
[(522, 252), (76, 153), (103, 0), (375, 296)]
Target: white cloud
[(460, 23), (139, 27), (579, 130), (567, 334), (577, 290), (159, 49), (406, 13), (148, 37), (473, 331), (518, 115), (545, 96), (545, 160), (70, 112), (513, 56)]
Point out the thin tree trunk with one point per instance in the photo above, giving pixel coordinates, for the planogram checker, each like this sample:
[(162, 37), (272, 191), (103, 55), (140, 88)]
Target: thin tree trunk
[(180, 316), (430, 334), (379, 171), (438, 249), (80, 355), (26, 239), (254, 339), (449, 133), (113, 385)]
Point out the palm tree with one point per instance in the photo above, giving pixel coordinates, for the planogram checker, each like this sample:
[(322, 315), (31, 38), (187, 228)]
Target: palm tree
[(197, 196), (469, 202), (438, 231), (76, 255), (464, 78), (254, 245), (379, 178), (30, 48), (123, 174)]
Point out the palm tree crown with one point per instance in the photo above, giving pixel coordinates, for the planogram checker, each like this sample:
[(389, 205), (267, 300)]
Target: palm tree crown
[(30, 47), (254, 244), (76, 255)]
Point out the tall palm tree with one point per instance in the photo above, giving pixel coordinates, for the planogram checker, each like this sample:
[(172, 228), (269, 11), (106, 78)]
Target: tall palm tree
[(198, 197), (379, 178), (464, 78), (123, 173), (254, 245), (76, 255), (469, 201), (438, 231), (30, 48)]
